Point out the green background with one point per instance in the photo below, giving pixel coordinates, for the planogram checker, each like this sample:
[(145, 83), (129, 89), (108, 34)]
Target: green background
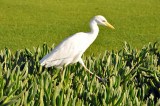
[(28, 23)]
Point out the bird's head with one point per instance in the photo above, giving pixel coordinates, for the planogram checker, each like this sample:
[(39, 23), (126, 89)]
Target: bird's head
[(102, 21)]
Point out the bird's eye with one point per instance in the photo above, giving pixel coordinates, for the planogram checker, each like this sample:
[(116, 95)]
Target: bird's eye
[(103, 21)]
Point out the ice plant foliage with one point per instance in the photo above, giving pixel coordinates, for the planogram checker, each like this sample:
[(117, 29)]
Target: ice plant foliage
[(135, 80)]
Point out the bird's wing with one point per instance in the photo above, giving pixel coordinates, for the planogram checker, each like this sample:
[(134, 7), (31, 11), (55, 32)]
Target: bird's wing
[(68, 48)]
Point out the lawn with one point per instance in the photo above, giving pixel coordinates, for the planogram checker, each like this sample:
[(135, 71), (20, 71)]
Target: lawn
[(28, 23)]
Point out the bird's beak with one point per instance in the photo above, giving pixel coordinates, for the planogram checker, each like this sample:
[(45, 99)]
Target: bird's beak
[(109, 25)]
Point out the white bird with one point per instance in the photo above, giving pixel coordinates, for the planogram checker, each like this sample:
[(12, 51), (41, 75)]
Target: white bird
[(70, 50)]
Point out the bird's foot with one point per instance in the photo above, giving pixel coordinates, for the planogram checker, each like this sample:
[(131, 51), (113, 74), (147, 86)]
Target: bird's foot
[(106, 79)]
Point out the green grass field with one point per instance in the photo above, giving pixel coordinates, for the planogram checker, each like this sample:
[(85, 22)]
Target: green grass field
[(28, 23)]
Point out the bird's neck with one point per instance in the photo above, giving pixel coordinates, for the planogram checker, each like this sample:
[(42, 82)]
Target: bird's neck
[(94, 27)]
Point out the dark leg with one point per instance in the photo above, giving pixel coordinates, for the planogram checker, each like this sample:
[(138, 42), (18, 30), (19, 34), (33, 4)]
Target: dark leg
[(61, 71)]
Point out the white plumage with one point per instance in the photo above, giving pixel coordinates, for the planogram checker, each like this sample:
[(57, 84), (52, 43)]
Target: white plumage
[(70, 50)]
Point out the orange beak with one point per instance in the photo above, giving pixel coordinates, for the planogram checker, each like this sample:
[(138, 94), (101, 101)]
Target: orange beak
[(109, 25)]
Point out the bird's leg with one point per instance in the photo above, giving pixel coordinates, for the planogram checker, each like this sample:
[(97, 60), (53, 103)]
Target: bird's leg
[(92, 73), (82, 63), (61, 71)]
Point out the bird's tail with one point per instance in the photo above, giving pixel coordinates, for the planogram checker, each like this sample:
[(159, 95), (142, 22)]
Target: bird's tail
[(42, 62)]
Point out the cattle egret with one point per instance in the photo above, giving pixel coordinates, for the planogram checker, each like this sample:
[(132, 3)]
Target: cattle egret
[(70, 50)]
